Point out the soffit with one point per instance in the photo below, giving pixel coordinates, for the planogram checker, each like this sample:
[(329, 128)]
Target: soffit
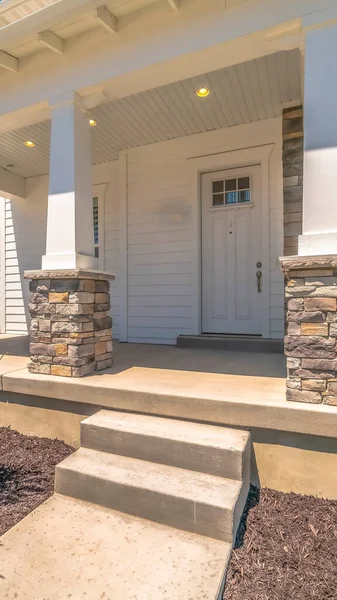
[(250, 91)]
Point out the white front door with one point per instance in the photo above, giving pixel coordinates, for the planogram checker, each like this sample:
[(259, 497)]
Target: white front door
[(231, 251)]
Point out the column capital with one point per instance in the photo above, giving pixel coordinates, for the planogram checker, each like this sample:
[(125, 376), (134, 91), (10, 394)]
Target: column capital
[(66, 98)]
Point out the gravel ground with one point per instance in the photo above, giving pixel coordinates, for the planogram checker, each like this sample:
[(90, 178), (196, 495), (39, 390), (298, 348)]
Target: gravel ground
[(286, 549), (27, 469)]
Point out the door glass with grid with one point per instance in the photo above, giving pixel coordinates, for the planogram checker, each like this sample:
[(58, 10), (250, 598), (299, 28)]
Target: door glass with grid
[(231, 191)]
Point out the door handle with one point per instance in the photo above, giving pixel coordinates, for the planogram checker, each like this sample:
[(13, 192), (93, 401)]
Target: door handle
[(259, 282)]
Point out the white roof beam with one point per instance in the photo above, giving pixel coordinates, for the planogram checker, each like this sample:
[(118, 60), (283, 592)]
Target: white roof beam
[(174, 4), (106, 18), (9, 62), (51, 40)]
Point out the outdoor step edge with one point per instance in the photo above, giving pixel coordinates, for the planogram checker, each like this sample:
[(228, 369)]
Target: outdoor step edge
[(205, 516), (74, 463), (241, 436), (151, 444)]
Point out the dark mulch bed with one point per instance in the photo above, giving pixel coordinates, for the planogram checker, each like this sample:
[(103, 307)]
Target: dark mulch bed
[(286, 549), (27, 468)]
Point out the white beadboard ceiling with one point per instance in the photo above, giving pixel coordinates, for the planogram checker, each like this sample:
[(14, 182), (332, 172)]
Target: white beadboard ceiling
[(246, 92), (14, 10)]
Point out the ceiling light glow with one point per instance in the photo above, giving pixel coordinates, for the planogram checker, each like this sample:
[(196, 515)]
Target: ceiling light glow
[(202, 92)]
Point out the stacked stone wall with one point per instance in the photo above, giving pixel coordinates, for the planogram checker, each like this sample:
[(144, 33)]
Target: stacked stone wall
[(310, 343), (71, 330), (292, 155)]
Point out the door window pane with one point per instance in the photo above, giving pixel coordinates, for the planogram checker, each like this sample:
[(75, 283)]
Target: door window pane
[(231, 197), (244, 196), (243, 183), (230, 185), (217, 186), (217, 199)]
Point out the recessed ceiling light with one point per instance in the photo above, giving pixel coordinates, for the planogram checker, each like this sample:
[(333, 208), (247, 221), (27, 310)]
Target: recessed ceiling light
[(29, 144), (92, 123), (202, 92)]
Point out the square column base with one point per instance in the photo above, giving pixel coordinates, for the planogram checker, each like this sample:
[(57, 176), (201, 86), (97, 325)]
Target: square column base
[(71, 330), (311, 320)]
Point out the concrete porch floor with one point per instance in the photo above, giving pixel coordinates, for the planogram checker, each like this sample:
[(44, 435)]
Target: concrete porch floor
[(127, 356), (229, 388)]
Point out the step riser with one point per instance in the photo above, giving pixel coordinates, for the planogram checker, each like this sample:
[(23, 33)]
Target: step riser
[(193, 457), (231, 344), (180, 513)]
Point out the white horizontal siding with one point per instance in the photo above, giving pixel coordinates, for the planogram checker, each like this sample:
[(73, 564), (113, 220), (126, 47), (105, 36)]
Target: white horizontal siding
[(161, 232), (161, 229), (25, 241), (15, 313)]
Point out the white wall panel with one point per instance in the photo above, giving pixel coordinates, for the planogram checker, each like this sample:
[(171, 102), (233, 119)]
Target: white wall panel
[(161, 230)]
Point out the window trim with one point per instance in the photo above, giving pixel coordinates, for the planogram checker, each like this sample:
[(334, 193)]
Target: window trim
[(98, 191)]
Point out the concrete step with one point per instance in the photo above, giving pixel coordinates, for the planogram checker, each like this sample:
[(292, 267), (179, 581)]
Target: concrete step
[(183, 499), (234, 343), (196, 447)]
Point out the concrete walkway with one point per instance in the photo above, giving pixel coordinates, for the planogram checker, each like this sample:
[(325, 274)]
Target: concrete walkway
[(70, 549)]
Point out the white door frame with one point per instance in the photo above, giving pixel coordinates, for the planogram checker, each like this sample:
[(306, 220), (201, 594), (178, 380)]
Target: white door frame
[(2, 267), (255, 155)]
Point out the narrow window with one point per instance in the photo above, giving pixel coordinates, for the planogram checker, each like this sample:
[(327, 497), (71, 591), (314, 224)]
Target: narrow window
[(96, 227)]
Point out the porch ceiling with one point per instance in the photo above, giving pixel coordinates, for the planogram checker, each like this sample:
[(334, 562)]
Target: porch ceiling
[(13, 11), (246, 92)]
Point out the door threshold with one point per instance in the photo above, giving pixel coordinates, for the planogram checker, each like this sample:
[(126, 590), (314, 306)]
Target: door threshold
[(234, 343)]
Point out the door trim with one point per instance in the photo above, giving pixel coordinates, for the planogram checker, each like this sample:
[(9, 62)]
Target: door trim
[(255, 155)]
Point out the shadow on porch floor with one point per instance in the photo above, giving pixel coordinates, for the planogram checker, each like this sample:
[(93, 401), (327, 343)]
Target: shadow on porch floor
[(224, 362)]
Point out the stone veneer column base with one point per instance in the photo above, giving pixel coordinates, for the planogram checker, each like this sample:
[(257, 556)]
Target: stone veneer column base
[(311, 319), (71, 331)]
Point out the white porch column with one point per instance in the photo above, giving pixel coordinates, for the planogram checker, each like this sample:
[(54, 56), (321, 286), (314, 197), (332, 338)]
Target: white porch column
[(320, 143), (70, 241)]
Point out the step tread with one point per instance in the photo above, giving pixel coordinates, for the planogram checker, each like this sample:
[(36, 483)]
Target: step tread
[(167, 480), (172, 429)]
